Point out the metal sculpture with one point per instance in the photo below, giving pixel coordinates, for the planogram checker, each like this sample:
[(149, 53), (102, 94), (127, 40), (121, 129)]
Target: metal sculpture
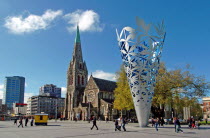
[(141, 51)]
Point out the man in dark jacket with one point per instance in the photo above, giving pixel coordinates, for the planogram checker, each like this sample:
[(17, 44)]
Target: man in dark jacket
[(21, 122), (177, 125), (94, 123), (123, 123), (26, 121), (117, 127)]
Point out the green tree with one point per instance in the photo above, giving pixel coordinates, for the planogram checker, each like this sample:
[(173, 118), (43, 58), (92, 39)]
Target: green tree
[(123, 99), (178, 88)]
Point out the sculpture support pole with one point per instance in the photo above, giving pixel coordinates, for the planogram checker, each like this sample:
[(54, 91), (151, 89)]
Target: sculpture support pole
[(141, 50)]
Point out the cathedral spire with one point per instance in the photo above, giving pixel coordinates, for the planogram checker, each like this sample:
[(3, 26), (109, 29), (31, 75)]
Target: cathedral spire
[(77, 39)]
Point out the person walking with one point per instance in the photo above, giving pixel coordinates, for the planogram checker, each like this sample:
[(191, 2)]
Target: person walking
[(193, 123), (117, 127), (178, 126), (162, 121), (94, 123), (26, 121), (190, 122), (15, 121), (123, 123), (21, 122), (153, 122), (32, 121), (107, 120), (156, 124)]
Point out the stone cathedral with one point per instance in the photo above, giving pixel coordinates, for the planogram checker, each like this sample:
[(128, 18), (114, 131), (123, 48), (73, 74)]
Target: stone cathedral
[(85, 98)]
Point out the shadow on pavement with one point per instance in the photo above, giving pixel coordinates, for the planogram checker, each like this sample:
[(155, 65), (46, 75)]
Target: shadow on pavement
[(189, 133), (53, 125)]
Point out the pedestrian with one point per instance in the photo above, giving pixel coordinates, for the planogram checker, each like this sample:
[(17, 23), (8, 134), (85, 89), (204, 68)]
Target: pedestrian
[(26, 121), (117, 127), (123, 123), (153, 122), (15, 121), (21, 122), (156, 124), (174, 119), (206, 120), (32, 121), (107, 120), (94, 123), (178, 126), (191, 122), (159, 121), (162, 122)]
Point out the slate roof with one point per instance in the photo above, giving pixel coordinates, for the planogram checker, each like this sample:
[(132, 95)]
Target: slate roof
[(110, 101), (105, 85)]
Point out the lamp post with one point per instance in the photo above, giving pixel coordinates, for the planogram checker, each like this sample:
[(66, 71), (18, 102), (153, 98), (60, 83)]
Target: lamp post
[(89, 113), (88, 96), (172, 114), (202, 110), (56, 110)]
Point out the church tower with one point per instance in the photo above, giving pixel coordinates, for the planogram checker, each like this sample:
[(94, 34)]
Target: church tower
[(77, 76)]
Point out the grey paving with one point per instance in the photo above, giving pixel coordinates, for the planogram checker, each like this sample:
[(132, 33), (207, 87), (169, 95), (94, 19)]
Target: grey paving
[(68, 129)]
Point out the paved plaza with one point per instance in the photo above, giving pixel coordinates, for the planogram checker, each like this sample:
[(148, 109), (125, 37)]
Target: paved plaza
[(81, 129)]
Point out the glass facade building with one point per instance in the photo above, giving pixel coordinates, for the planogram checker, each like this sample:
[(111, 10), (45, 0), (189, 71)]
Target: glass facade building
[(14, 89), (50, 90)]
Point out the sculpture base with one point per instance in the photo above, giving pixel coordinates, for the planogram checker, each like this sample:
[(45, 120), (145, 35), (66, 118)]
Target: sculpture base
[(142, 113)]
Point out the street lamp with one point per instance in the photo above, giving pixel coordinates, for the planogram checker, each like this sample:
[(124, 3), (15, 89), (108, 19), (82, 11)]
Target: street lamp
[(88, 96), (202, 110), (56, 110), (89, 113)]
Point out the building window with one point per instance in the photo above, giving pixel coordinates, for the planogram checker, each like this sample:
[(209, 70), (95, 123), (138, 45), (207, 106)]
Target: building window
[(78, 79), (80, 66), (82, 80)]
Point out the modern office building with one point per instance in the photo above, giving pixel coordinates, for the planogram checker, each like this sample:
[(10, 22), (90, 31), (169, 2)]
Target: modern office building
[(46, 104), (28, 112), (14, 88), (50, 90)]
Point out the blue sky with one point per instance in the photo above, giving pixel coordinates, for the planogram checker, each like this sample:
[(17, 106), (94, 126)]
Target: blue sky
[(37, 37)]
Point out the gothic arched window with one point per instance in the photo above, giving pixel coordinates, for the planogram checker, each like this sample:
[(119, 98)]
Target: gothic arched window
[(80, 66), (78, 79), (82, 80)]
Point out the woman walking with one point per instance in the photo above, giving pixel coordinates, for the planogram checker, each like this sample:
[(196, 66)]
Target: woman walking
[(156, 124)]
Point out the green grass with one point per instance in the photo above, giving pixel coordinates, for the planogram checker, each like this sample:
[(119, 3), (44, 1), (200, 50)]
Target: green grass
[(204, 123)]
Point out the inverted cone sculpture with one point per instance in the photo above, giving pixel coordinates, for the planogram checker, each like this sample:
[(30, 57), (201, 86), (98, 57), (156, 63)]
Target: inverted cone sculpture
[(140, 51)]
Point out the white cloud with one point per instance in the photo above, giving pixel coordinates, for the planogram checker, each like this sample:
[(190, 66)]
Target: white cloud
[(63, 91), (19, 24), (87, 20), (1, 86), (1, 94), (104, 75), (1, 91), (27, 95)]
